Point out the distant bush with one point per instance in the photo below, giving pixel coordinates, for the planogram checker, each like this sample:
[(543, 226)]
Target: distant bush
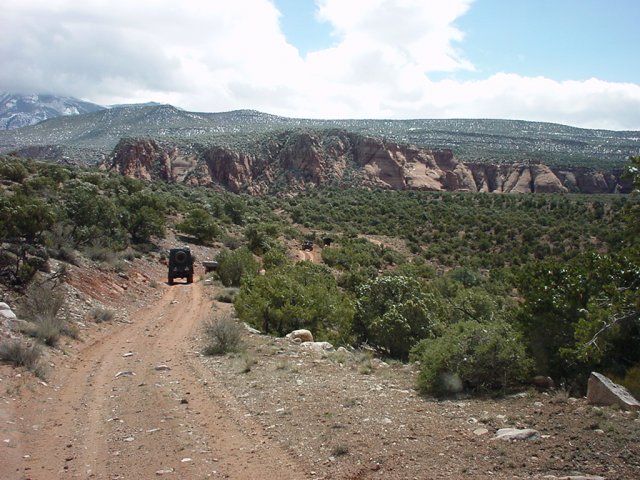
[(222, 335), (261, 237), (201, 224), (483, 357)]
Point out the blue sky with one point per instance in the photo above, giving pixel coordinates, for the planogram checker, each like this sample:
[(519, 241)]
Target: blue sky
[(564, 61), (561, 39)]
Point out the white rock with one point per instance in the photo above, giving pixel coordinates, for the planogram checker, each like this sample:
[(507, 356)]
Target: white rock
[(318, 346), (7, 315), (303, 335), (602, 391), (163, 368), (480, 431), (250, 329), (126, 373), (516, 434)]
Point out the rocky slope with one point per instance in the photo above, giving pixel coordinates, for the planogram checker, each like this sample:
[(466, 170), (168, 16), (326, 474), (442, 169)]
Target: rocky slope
[(295, 159)]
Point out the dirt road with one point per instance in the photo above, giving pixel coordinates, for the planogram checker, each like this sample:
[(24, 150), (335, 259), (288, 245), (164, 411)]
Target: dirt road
[(136, 403)]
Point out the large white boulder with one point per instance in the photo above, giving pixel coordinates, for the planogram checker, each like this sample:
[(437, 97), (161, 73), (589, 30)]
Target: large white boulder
[(602, 391), (300, 336)]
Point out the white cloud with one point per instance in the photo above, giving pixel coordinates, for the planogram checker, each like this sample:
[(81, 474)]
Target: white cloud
[(219, 55)]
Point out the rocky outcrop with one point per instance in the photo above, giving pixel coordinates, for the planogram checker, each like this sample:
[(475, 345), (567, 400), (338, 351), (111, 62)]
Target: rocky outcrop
[(296, 159), (146, 159)]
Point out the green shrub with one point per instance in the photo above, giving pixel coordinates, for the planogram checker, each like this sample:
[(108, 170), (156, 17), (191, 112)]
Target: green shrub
[(236, 265), (200, 223), (301, 295), (393, 312), (485, 357), (222, 335), (276, 257)]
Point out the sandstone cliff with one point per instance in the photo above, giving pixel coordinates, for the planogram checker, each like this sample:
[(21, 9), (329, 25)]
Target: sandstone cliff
[(293, 160)]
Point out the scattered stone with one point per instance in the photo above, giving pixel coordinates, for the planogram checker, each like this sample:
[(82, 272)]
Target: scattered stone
[(303, 335), (128, 354), (480, 431), (343, 350), (126, 373), (602, 391), (163, 368), (184, 401), (318, 346), (129, 439), (517, 434), (575, 477), (164, 471), (186, 460)]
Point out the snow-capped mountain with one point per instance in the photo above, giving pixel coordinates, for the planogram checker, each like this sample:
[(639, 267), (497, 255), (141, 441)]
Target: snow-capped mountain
[(18, 110)]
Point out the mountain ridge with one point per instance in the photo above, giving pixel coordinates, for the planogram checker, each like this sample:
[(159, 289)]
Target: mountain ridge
[(90, 137), (22, 110)]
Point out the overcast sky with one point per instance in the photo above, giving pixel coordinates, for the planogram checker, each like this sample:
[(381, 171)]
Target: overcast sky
[(567, 61)]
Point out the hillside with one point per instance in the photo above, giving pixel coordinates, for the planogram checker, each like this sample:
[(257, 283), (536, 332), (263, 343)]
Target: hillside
[(91, 137)]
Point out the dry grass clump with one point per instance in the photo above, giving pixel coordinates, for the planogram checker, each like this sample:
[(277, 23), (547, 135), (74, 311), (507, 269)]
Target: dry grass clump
[(41, 307), (222, 335), (22, 354), (99, 314)]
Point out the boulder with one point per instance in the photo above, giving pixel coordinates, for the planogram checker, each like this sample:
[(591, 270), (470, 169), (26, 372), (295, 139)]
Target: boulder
[(300, 335), (6, 314), (602, 391)]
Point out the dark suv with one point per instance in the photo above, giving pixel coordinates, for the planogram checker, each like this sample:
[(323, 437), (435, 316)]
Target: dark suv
[(180, 264)]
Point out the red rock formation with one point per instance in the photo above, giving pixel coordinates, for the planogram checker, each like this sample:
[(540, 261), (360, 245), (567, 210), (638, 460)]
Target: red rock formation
[(296, 159)]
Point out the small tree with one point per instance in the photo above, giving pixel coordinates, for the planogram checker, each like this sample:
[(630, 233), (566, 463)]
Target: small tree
[(200, 224), (234, 266), (393, 312)]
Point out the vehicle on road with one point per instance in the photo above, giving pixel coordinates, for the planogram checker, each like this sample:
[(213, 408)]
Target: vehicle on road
[(180, 264)]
